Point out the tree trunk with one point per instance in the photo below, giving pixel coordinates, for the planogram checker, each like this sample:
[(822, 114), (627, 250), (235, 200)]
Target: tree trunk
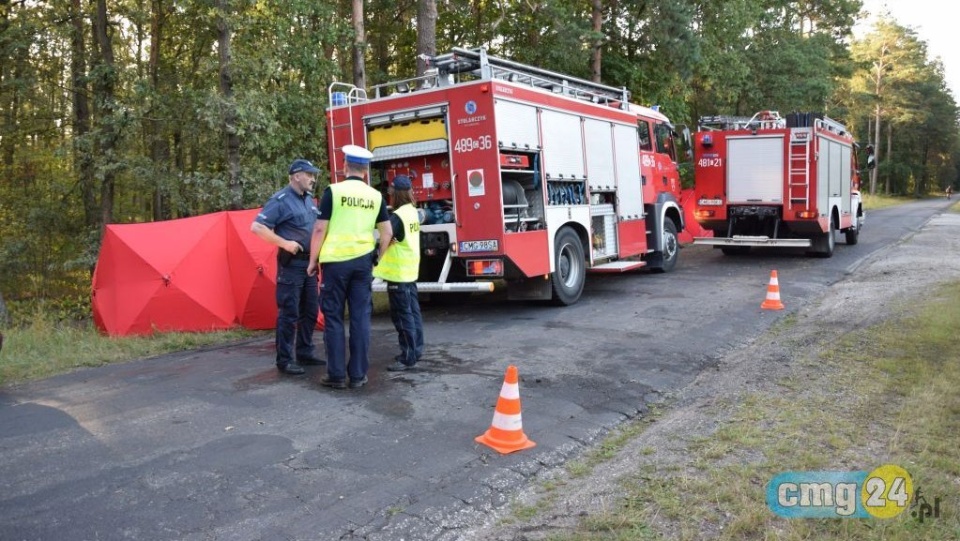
[(82, 151), (426, 33), (4, 314), (159, 146), (104, 94), (229, 108), (9, 108), (597, 56), (876, 151), (359, 46), (887, 174), (920, 181)]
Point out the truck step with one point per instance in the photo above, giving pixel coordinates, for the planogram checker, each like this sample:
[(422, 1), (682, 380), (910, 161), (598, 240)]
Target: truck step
[(744, 240), (618, 266)]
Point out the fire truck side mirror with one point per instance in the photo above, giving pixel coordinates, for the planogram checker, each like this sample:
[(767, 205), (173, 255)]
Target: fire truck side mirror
[(871, 162), (687, 141)]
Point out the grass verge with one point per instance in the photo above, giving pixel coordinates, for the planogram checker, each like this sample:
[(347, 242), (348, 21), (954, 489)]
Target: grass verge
[(45, 348), (879, 201), (45, 342), (882, 395)]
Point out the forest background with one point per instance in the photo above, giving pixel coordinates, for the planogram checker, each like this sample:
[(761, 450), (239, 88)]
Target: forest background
[(143, 110)]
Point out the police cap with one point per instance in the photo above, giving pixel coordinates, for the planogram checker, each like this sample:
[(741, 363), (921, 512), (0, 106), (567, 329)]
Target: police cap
[(401, 182), (357, 154), (301, 165)]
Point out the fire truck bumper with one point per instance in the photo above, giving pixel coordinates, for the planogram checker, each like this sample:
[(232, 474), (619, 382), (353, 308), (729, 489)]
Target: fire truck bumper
[(751, 241), (437, 287)]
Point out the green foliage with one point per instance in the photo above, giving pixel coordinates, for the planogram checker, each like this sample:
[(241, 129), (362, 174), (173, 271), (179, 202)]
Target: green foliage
[(897, 84)]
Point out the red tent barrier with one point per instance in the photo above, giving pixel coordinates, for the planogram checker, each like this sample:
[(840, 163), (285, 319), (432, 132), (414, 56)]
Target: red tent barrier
[(253, 272), (193, 274)]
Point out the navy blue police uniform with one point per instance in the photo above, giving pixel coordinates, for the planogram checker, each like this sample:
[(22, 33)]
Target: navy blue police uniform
[(292, 216)]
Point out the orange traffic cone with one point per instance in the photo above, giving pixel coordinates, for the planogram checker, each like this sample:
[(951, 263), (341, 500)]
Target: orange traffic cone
[(505, 434), (772, 301)]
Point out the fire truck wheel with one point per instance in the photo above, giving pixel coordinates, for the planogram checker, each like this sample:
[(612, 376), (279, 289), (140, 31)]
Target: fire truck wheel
[(671, 248), (853, 234), (570, 268), (823, 244)]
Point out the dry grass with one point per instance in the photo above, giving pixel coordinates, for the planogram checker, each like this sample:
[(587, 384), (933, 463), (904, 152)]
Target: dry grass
[(886, 394)]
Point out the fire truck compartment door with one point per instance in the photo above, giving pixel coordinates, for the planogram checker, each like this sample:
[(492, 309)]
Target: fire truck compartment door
[(562, 145), (755, 169), (834, 174), (517, 125), (629, 183), (600, 165), (418, 137), (409, 150)]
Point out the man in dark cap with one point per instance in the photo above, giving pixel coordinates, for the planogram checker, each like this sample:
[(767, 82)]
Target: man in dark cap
[(400, 268), (344, 246), (287, 221)]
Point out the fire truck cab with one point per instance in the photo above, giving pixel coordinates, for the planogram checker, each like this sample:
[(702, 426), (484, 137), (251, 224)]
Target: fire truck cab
[(521, 174), (773, 181)]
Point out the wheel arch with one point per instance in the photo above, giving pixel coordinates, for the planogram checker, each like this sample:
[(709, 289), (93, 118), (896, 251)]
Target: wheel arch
[(674, 214), (666, 207)]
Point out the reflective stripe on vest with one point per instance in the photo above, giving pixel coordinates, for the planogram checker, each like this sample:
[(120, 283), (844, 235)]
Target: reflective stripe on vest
[(352, 221), (401, 263)]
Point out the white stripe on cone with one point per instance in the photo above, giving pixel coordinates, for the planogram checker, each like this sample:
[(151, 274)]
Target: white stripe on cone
[(507, 422), (510, 391)]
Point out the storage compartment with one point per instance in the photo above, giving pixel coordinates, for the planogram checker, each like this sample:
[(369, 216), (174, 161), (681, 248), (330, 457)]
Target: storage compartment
[(566, 192), (520, 185), (603, 231)]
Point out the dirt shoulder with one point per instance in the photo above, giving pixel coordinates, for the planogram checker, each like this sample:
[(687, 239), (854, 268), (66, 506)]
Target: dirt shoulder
[(878, 289)]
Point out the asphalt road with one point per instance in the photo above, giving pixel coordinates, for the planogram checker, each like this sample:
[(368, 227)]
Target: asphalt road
[(215, 444)]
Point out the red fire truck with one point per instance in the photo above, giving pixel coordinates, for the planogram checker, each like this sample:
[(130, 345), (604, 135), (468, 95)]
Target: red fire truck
[(521, 174), (773, 181)]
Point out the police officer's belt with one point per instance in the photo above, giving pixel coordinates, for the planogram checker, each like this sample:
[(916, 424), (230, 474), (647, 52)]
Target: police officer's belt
[(284, 257)]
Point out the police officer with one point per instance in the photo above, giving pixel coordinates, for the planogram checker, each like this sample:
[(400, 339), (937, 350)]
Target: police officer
[(400, 268), (344, 245), (287, 221)]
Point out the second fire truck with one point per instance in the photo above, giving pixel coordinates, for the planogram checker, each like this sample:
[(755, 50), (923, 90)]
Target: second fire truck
[(773, 181), (521, 174)]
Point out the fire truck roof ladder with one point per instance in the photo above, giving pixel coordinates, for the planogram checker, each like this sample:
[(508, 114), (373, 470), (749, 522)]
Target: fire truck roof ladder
[(479, 64), (764, 120), (340, 94), (830, 124)]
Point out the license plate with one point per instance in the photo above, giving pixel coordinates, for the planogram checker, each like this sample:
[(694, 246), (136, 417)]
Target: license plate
[(710, 202), (473, 246)]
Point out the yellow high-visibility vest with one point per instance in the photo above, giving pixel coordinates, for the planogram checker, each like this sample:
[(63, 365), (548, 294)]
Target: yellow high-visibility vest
[(353, 219), (401, 263)]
